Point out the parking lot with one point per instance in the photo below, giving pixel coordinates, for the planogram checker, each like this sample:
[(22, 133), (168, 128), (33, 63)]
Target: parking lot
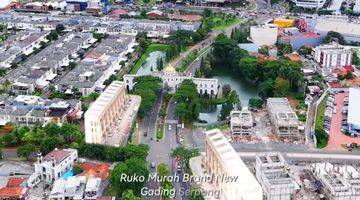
[(336, 121)]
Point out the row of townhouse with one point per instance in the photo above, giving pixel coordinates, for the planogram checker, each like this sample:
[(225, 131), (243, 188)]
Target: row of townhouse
[(42, 68), (22, 42), (29, 110), (98, 65), (154, 28)]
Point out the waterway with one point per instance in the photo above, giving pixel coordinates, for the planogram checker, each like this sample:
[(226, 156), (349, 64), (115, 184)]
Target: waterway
[(150, 62), (244, 89)]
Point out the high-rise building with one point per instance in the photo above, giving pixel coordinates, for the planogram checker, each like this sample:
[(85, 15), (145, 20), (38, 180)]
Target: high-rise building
[(109, 118), (222, 160)]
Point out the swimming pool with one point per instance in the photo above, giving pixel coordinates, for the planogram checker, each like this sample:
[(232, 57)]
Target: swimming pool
[(68, 174)]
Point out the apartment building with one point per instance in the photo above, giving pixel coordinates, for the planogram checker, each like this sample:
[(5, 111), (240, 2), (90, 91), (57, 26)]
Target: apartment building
[(53, 166), (283, 118), (22, 42), (109, 118), (339, 182), (42, 68), (273, 174), (331, 56), (98, 65), (222, 160), (241, 123)]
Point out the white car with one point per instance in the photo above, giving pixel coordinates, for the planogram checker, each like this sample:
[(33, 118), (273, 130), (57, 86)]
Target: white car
[(169, 127)]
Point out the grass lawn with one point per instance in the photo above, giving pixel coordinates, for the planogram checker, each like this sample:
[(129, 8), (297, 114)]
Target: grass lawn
[(151, 48), (160, 132), (319, 121), (222, 24)]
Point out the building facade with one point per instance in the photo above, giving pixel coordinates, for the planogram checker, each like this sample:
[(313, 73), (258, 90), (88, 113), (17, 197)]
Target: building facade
[(241, 123), (274, 177), (332, 56), (339, 182), (105, 119), (53, 165), (283, 118), (173, 80), (222, 160), (309, 3)]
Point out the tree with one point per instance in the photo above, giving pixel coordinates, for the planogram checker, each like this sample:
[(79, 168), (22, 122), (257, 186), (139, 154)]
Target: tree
[(146, 87), (188, 99), (207, 12), (334, 36), (162, 170), (49, 144), (233, 98), (129, 195), (281, 87), (143, 13), (159, 64), (226, 89), (9, 139), (249, 68), (53, 35), (2, 72), (72, 65), (60, 28), (184, 154), (355, 59), (226, 108), (132, 166), (77, 169), (322, 137), (255, 102), (267, 89), (25, 150), (136, 151), (52, 129)]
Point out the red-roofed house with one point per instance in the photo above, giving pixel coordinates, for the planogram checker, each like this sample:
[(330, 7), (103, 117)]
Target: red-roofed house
[(95, 170), (119, 13), (13, 189)]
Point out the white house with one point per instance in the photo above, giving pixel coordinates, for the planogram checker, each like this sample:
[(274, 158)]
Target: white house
[(55, 164)]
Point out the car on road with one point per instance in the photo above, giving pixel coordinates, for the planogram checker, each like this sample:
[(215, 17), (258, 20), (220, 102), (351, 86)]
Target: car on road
[(179, 167), (145, 133), (169, 127), (153, 164)]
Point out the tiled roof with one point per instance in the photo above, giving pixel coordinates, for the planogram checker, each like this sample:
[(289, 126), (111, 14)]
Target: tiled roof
[(15, 181), (10, 192), (95, 170), (59, 155)]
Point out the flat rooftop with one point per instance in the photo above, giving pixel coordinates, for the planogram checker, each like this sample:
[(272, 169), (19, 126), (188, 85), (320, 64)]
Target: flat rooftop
[(354, 107), (282, 111), (241, 118)]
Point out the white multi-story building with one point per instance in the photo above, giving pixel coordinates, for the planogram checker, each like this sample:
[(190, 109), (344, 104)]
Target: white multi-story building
[(331, 56), (222, 160), (109, 118), (339, 182), (274, 177), (241, 123), (284, 119), (309, 3), (173, 80), (53, 166)]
